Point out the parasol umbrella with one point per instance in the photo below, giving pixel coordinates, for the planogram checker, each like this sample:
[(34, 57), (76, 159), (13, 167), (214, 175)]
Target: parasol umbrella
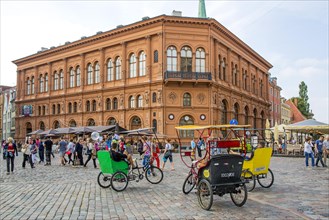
[(51, 131), (82, 130), (35, 132), (64, 130)]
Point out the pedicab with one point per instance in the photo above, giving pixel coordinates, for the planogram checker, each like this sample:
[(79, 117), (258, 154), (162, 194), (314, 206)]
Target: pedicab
[(217, 172), (117, 174)]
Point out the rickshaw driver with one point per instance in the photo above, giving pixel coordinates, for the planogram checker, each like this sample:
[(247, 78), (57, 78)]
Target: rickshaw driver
[(117, 156)]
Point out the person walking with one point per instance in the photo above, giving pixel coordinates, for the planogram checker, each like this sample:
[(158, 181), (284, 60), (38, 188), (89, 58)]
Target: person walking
[(147, 149), (167, 154), (11, 149), (308, 152), (140, 148), (91, 152), (49, 150), (78, 151), (200, 145), (34, 150), (156, 150), (62, 145), (325, 149), (26, 154), (193, 145), (41, 148), (319, 150), (70, 151)]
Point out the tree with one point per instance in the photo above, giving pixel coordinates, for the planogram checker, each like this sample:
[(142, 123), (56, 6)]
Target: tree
[(303, 105)]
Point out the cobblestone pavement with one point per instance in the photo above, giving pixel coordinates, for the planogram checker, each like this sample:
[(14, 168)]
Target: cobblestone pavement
[(66, 192)]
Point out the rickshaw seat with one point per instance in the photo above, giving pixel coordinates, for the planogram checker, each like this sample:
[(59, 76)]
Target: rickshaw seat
[(108, 165), (228, 143), (259, 161)]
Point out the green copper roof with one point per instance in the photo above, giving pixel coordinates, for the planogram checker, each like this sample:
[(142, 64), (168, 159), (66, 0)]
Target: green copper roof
[(202, 9)]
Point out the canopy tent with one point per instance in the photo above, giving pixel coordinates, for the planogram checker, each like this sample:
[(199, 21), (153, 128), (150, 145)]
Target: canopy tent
[(35, 132), (309, 126)]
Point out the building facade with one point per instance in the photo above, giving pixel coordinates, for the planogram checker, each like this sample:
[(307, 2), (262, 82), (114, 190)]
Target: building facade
[(275, 99), (8, 113), (295, 114), (285, 112), (159, 72)]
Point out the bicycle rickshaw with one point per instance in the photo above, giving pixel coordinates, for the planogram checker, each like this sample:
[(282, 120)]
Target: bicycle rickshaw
[(217, 172), (117, 174)]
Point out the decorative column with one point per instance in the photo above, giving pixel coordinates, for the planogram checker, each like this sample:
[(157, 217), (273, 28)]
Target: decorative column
[(82, 73), (148, 58), (215, 59), (66, 74), (229, 66), (102, 67), (240, 73), (36, 81), (50, 79), (249, 81)]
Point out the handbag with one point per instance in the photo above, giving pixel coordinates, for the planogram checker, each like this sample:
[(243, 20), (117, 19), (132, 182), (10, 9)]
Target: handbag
[(167, 154), (5, 155)]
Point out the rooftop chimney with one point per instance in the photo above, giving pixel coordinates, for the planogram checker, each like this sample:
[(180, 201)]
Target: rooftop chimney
[(176, 13)]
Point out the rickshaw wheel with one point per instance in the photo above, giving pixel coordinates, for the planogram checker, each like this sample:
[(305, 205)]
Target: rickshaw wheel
[(250, 180), (266, 180), (205, 194), (239, 197), (189, 184), (119, 181), (104, 181), (154, 175)]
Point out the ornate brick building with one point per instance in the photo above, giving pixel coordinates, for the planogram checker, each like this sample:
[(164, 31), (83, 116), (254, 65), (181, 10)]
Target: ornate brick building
[(275, 99), (162, 72)]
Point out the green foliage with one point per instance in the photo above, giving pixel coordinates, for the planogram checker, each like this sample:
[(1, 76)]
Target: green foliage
[(303, 105)]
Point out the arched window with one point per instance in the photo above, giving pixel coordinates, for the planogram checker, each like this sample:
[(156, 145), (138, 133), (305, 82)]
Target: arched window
[(39, 110), (154, 97), (94, 105), (28, 127), (58, 108), (32, 85), (118, 68), (89, 74), (200, 62), (91, 122), (111, 121), (131, 102), (186, 120), (171, 59), (71, 78), (70, 107), (246, 115), (142, 64), (224, 112), (262, 115), (43, 110), (244, 76), (236, 111), (88, 106), (97, 73), (53, 109), (219, 67), (261, 88), (28, 86), (41, 86), (155, 56), (110, 72), (255, 118), (224, 69), (61, 79), (235, 75), (187, 99), (72, 123), (115, 103), (135, 123), (155, 125), (139, 101), (46, 82), (78, 78), (56, 79), (56, 125), (108, 104), (42, 125), (132, 66), (186, 59), (75, 107)]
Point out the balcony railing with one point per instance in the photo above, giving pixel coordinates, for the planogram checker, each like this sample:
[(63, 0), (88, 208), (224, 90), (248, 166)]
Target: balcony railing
[(187, 75)]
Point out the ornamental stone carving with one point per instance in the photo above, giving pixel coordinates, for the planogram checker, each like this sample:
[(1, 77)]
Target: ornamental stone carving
[(172, 96), (201, 97)]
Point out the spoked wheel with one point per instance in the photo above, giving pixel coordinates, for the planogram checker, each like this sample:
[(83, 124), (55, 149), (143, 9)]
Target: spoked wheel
[(239, 196), (249, 179), (205, 194), (189, 184), (119, 181), (103, 180), (154, 175), (266, 180)]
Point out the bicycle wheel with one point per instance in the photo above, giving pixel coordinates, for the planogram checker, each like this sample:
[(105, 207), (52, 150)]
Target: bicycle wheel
[(239, 196), (189, 184), (104, 181), (205, 194), (266, 180), (249, 179), (154, 175), (119, 181)]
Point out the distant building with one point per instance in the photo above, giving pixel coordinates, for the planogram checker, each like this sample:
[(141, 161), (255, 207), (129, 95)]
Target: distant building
[(275, 99), (295, 114), (8, 97), (158, 72), (285, 112)]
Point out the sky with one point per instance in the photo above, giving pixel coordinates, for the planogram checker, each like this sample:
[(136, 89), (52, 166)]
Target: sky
[(292, 35)]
